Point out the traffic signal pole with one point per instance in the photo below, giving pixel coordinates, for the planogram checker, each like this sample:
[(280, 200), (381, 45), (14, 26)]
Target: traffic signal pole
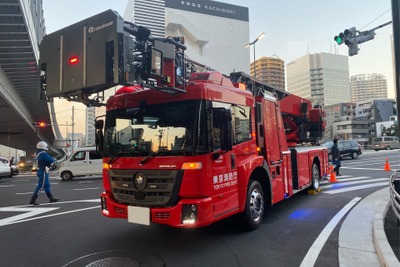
[(396, 40)]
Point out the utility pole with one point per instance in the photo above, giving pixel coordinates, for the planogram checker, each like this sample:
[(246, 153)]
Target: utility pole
[(396, 40), (73, 123)]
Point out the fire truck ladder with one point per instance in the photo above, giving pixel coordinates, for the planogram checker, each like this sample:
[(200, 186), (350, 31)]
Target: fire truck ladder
[(257, 87)]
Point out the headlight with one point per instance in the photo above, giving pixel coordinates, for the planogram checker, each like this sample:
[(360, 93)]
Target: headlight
[(189, 213)]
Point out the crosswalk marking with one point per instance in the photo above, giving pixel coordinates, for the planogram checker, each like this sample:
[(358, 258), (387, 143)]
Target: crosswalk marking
[(347, 183), (354, 188), (341, 184)]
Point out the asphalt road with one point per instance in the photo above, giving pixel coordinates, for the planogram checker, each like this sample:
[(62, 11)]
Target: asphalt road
[(74, 233)]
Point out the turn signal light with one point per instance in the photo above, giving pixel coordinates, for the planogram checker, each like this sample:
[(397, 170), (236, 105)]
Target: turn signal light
[(192, 166)]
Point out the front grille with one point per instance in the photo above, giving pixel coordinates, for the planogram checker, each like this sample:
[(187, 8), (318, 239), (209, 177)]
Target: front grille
[(162, 187), (162, 215), (120, 211)]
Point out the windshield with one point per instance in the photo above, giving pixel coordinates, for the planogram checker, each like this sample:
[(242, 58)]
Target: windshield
[(176, 128)]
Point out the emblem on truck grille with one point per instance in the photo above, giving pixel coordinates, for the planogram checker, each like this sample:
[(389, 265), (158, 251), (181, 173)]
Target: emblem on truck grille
[(139, 181)]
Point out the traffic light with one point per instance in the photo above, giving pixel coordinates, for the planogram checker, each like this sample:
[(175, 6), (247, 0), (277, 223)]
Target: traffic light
[(350, 39), (40, 124), (339, 38)]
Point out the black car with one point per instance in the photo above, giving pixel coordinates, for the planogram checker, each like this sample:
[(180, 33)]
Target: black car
[(347, 148)]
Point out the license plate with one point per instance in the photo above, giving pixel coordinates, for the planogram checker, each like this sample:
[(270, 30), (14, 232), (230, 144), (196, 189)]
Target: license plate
[(139, 215)]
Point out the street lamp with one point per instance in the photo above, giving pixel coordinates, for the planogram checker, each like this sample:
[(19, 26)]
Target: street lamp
[(259, 37)]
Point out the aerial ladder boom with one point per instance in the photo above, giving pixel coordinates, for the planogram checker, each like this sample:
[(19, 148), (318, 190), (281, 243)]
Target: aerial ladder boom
[(303, 123)]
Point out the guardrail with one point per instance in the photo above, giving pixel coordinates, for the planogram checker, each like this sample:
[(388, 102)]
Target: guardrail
[(394, 187)]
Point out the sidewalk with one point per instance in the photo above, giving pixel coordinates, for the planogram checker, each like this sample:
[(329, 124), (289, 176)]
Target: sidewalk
[(362, 237)]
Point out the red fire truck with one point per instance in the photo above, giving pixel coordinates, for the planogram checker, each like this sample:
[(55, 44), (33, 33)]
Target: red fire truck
[(180, 146)]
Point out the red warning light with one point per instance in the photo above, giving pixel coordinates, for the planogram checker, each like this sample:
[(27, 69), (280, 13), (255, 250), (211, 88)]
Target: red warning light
[(73, 60)]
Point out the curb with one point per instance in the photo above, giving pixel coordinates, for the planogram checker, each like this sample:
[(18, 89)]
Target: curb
[(383, 249)]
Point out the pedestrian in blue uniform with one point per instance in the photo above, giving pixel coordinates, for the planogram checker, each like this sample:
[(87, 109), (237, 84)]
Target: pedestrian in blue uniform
[(44, 162), (336, 157)]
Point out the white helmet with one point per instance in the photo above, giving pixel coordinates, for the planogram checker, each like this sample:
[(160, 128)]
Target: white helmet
[(42, 145)]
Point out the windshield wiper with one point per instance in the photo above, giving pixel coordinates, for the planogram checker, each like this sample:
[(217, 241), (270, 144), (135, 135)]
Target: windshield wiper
[(119, 154), (150, 156)]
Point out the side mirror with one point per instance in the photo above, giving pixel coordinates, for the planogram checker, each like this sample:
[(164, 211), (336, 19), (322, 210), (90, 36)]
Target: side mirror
[(99, 124)]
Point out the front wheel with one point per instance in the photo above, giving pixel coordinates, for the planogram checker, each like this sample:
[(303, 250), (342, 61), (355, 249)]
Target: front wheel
[(388, 148), (66, 176), (254, 211), (354, 155)]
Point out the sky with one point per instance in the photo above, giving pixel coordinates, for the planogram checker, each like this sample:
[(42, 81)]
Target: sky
[(292, 29)]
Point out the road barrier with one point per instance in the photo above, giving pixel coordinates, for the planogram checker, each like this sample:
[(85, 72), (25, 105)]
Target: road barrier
[(394, 187)]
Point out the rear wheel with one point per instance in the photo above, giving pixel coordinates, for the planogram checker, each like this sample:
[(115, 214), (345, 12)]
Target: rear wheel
[(315, 177), (66, 176), (254, 211), (354, 155), (388, 148)]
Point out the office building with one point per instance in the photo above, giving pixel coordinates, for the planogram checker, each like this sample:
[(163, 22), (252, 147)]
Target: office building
[(335, 113), (90, 129), (270, 70), (215, 32), (322, 78), (368, 86)]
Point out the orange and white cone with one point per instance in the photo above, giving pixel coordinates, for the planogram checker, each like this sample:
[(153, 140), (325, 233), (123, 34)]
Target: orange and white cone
[(387, 166), (332, 178)]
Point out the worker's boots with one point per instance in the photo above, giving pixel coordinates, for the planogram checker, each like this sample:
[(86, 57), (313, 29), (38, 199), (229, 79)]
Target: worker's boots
[(33, 201), (51, 198)]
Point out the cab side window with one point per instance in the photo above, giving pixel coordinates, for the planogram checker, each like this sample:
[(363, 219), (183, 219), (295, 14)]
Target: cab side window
[(94, 155), (241, 124), (78, 156)]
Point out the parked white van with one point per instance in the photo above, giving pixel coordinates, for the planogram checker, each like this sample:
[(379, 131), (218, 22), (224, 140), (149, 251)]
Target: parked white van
[(83, 162)]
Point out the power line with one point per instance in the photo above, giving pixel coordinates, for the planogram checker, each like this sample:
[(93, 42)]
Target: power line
[(377, 18)]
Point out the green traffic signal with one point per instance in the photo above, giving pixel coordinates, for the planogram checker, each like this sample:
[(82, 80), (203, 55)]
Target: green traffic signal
[(338, 40)]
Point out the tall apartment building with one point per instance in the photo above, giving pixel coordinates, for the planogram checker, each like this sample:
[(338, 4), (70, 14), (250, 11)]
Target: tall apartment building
[(215, 32), (90, 129), (322, 78), (368, 86), (270, 70)]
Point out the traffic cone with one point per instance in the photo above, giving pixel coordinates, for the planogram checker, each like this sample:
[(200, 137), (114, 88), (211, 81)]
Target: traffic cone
[(332, 178), (387, 166)]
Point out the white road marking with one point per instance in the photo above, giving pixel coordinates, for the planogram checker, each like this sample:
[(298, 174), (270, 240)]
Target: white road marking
[(315, 249), (34, 211), (343, 183), (11, 185), (353, 168), (29, 212), (83, 189), (353, 188)]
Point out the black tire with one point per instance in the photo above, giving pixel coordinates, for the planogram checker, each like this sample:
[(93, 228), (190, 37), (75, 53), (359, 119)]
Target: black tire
[(316, 177), (354, 155), (388, 148), (253, 214), (66, 176)]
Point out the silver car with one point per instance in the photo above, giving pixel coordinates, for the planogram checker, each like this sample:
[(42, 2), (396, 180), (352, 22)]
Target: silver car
[(5, 169)]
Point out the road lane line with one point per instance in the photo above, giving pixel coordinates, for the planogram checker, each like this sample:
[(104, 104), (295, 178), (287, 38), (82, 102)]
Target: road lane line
[(51, 215), (83, 189), (353, 168), (353, 188), (364, 181), (312, 254)]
